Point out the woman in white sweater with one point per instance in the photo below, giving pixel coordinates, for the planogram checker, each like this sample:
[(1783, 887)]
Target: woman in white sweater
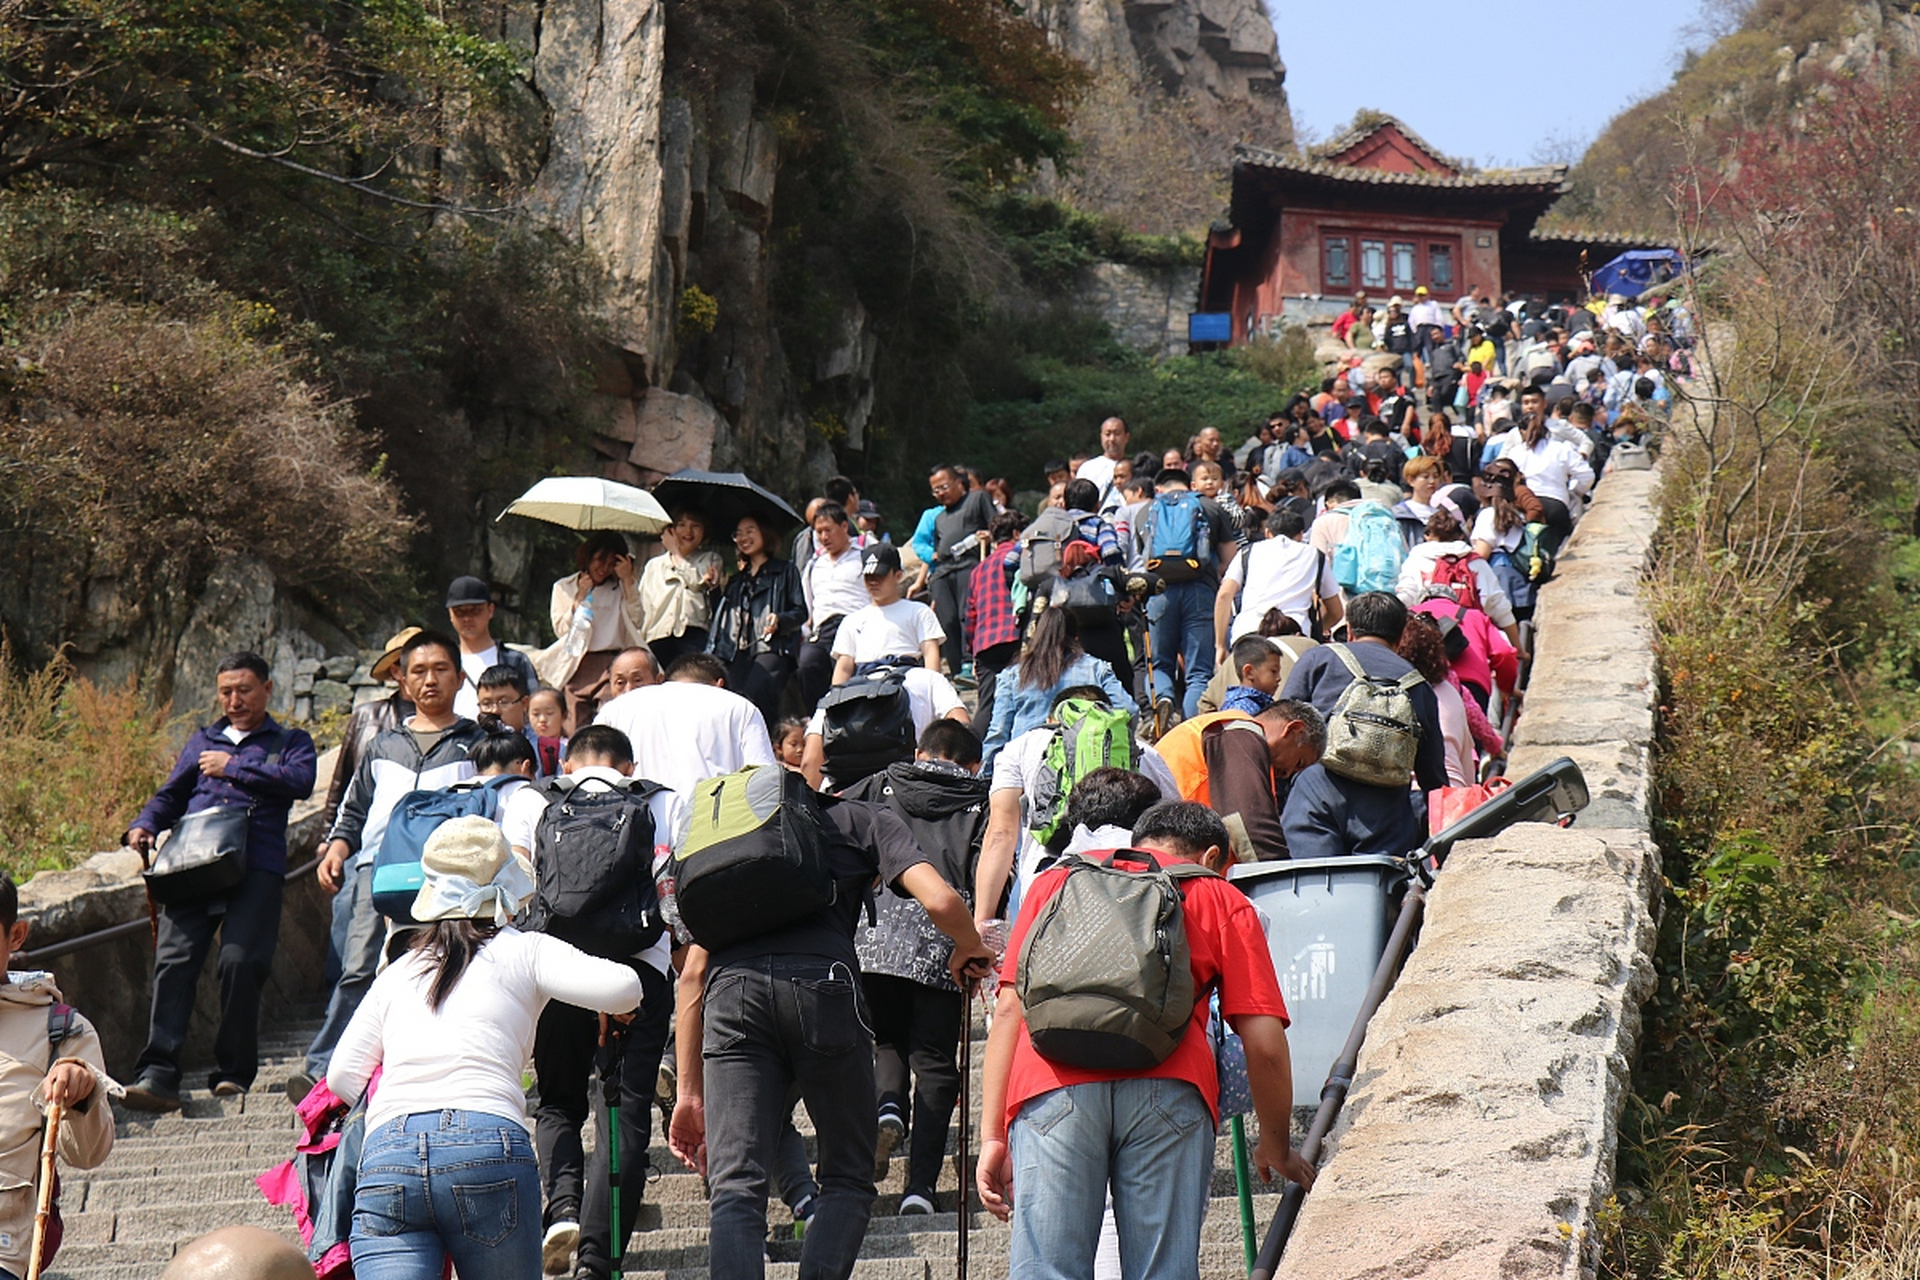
[(1421, 575), (448, 1166)]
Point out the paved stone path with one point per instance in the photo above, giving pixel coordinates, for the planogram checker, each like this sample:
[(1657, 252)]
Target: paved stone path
[(171, 1178)]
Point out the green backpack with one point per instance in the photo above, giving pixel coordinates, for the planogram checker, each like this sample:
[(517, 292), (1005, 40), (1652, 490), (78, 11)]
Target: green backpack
[(1105, 978), (1090, 736), (751, 856)]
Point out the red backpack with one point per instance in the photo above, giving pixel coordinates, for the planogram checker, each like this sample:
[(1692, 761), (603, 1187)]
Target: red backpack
[(1455, 575)]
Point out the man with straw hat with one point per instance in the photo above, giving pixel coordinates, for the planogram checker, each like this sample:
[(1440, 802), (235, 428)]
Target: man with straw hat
[(368, 721)]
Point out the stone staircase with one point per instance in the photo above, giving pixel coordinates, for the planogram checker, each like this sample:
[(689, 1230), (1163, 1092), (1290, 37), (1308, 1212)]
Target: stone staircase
[(171, 1178)]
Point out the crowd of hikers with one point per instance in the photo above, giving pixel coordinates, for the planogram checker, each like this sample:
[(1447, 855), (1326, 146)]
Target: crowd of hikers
[(739, 838)]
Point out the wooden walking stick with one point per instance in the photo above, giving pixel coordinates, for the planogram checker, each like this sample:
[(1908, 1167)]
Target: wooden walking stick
[(43, 1209)]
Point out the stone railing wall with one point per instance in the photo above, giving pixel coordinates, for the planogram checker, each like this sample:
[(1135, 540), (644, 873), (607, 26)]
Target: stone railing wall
[(112, 982), (1479, 1137)]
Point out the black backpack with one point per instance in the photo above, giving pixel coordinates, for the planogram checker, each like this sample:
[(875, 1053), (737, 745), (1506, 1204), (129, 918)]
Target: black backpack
[(1089, 596), (868, 724), (593, 865)]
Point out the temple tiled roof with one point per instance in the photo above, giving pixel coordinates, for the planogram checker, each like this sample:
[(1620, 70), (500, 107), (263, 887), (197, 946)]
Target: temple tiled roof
[(1549, 178), (1379, 120)]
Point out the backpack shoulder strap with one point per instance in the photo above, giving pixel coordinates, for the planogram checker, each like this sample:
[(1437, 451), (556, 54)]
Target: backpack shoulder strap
[(1411, 681), (1189, 871), (1347, 659), (642, 788), (60, 1018)]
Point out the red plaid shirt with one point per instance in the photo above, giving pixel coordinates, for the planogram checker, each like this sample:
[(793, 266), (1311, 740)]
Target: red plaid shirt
[(990, 619)]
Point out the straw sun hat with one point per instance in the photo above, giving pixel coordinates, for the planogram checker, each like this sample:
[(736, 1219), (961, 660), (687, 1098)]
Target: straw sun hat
[(471, 874)]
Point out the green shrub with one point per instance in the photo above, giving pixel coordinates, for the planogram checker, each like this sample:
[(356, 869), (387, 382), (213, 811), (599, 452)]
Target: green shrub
[(1036, 401)]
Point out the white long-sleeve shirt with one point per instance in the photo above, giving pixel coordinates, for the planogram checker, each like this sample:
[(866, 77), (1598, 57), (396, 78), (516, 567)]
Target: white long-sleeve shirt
[(1552, 469), (467, 1055), (1416, 571)]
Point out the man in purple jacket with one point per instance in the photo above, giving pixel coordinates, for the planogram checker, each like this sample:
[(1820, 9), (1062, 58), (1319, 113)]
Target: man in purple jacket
[(243, 758)]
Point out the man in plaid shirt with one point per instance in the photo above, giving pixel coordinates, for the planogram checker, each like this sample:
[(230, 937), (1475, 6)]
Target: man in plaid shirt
[(992, 628)]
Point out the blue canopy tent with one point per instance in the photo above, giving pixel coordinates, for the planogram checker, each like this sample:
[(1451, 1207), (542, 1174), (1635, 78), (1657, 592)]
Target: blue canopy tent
[(1637, 270)]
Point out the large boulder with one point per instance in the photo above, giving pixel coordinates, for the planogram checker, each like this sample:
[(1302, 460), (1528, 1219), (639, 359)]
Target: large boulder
[(671, 431)]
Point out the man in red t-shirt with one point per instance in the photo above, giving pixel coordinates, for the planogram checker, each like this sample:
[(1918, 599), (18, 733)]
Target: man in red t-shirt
[(1055, 1137)]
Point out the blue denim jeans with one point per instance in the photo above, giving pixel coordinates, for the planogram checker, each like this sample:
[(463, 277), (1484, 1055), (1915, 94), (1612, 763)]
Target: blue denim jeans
[(1181, 623), (1151, 1139), (440, 1184)]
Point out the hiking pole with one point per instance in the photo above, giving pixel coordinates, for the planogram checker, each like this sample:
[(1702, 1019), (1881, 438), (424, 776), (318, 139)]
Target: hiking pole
[(966, 1119), (1333, 1095), (1152, 696), (43, 1207), (612, 1065), (1243, 1188)]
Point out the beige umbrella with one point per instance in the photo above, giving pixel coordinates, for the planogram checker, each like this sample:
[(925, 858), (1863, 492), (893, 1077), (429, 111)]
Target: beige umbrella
[(587, 503)]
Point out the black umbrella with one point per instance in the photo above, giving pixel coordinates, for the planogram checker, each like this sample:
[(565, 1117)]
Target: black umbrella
[(723, 497)]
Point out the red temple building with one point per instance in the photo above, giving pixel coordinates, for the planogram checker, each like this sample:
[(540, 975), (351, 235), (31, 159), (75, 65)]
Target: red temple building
[(1379, 211)]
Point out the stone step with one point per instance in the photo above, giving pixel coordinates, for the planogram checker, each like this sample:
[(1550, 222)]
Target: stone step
[(919, 1235), (175, 1223)]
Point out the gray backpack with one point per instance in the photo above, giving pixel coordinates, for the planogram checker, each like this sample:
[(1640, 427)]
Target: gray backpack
[(1105, 977), (1373, 734), (1041, 543)]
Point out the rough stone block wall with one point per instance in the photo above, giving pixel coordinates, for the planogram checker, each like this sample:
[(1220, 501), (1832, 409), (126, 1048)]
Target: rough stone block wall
[(1480, 1134), (1146, 306)]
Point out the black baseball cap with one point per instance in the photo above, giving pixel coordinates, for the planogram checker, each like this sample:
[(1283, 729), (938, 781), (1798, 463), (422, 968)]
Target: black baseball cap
[(468, 589), (879, 559)]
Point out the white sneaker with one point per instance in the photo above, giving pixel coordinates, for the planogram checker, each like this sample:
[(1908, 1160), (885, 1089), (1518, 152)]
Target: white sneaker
[(556, 1247), (915, 1203)]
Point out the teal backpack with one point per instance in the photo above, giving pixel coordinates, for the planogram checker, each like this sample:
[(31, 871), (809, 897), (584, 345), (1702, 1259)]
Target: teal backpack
[(1370, 555)]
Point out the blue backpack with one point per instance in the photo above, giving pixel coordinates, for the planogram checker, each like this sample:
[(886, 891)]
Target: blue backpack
[(1370, 554), (397, 876), (1179, 540)]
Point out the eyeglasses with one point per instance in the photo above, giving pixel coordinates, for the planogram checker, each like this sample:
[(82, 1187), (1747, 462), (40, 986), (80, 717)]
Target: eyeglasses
[(494, 706)]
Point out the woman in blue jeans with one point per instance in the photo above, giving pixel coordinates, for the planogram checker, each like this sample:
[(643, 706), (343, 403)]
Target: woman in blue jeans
[(448, 1167)]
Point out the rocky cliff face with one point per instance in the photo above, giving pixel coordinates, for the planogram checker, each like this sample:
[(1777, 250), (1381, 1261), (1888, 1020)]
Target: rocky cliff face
[(1753, 78), (663, 191), (1223, 51)]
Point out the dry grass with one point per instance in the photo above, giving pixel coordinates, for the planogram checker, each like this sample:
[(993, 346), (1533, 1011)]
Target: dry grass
[(76, 763)]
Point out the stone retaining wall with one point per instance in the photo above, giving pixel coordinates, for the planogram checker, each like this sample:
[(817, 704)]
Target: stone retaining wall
[(1480, 1134), (1146, 306), (112, 983)]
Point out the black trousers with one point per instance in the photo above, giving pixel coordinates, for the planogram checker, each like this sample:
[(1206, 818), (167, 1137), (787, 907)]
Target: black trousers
[(949, 600), (814, 665), (987, 666), (1109, 645), (668, 648), (916, 1033), (774, 1026), (565, 1045), (248, 922), (762, 680)]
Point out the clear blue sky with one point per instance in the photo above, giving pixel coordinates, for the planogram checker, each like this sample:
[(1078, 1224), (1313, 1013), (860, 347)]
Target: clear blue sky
[(1437, 66)]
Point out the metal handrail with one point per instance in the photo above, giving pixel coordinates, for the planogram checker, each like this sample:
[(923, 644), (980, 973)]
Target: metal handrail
[(39, 956)]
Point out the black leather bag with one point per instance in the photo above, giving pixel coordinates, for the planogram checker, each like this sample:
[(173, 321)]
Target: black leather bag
[(204, 857)]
